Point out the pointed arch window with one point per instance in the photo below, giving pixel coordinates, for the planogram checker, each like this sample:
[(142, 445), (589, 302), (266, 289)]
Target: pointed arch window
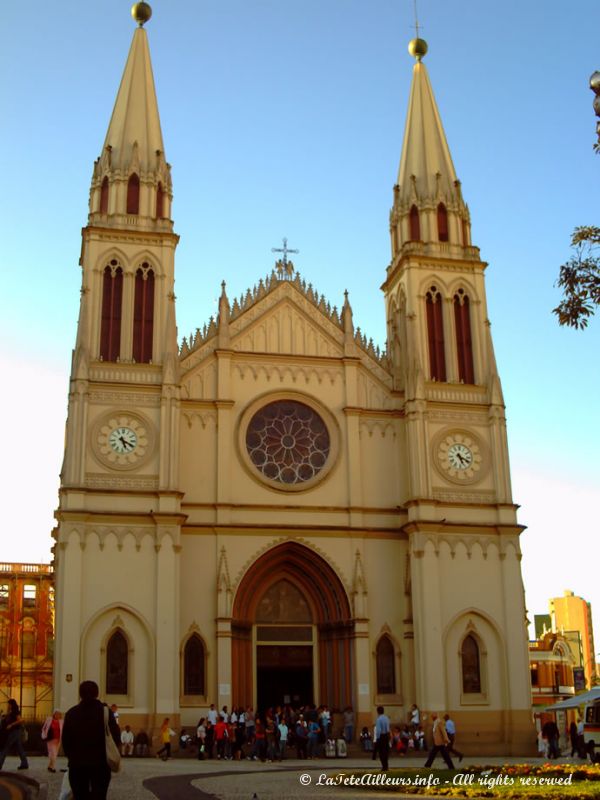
[(112, 301), (464, 345), (143, 314), (442, 221), (471, 665), (193, 666), (414, 224), (133, 194), (386, 666), (435, 335), (117, 664), (160, 202), (104, 196)]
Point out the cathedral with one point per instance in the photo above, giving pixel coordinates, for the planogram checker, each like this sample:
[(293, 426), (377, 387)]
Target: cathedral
[(274, 511)]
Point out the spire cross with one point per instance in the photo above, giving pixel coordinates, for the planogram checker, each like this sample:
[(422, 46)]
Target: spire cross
[(416, 25), (285, 250)]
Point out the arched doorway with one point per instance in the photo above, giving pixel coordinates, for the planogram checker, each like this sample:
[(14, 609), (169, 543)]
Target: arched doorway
[(292, 632)]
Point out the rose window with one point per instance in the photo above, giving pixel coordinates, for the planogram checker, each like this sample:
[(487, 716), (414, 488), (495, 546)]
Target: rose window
[(287, 442)]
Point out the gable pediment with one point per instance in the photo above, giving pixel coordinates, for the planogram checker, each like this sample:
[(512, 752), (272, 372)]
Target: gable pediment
[(279, 317), (286, 323)]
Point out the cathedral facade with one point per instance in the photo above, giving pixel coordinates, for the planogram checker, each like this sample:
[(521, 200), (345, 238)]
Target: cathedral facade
[(274, 511)]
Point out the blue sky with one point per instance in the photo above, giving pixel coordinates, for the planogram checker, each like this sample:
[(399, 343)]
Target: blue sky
[(286, 119)]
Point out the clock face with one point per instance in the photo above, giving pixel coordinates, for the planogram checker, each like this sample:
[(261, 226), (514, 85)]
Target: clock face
[(458, 457), (123, 440)]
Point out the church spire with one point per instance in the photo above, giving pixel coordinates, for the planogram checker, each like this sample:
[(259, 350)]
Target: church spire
[(428, 203), (131, 177)]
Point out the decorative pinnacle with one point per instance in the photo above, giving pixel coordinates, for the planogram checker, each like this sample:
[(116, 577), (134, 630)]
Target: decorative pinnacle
[(417, 48), (141, 12)]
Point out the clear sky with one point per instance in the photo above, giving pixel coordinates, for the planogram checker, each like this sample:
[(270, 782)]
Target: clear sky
[(285, 118)]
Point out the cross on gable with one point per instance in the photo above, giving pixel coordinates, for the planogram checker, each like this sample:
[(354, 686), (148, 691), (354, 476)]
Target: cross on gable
[(283, 266)]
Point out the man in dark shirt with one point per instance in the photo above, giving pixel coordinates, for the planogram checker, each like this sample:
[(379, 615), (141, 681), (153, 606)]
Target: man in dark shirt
[(550, 732), (84, 743)]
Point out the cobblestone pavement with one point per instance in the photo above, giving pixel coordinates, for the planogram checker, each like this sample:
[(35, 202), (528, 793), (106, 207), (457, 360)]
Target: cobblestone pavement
[(190, 779)]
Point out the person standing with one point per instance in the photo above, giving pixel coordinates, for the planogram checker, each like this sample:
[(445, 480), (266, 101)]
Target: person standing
[(382, 737), (11, 734), (209, 739), (249, 723), (440, 743), (221, 737), (414, 717), (313, 738), (51, 734), (84, 744), (349, 724), (201, 736), (573, 735), (260, 740), (451, 731), (115, 710), (283, 737), (301, 737), (212, 715), (550, 733)]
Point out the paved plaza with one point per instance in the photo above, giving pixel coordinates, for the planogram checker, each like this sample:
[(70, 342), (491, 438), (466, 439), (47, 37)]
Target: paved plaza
[(190, 779)]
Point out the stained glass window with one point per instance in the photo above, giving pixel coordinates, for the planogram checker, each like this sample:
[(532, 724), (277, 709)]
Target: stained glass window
[(288, 442), (117, 666), (193, 666), (471, 673), (386, 672)]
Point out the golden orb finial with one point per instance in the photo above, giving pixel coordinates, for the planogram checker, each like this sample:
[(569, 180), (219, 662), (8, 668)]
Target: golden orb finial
[(417, 48), (141, 12)]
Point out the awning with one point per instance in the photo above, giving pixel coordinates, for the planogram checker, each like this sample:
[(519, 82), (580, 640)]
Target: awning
[(576, 700)]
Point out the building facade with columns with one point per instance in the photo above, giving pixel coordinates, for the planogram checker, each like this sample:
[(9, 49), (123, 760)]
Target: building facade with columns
[(275, 511)]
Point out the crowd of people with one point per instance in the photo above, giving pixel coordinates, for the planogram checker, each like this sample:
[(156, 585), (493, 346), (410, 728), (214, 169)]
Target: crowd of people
[(305, 732), (243, 733)]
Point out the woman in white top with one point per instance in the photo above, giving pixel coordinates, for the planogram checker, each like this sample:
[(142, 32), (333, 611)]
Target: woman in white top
[(414, 717)]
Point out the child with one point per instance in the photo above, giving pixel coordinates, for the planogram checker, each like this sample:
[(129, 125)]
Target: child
[(366, 740)]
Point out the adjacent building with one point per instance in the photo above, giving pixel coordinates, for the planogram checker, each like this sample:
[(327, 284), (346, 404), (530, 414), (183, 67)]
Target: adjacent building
[(274, 510), (572, 613), (27, 637)]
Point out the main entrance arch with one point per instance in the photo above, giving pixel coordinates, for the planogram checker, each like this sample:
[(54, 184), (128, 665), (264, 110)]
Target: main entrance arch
[(292, 632)]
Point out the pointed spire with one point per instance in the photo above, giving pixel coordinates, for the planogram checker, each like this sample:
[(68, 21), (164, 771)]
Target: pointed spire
[(132, 177), (348, 325), (223, 320), (425, 151), (135, 116), (428, 202)]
